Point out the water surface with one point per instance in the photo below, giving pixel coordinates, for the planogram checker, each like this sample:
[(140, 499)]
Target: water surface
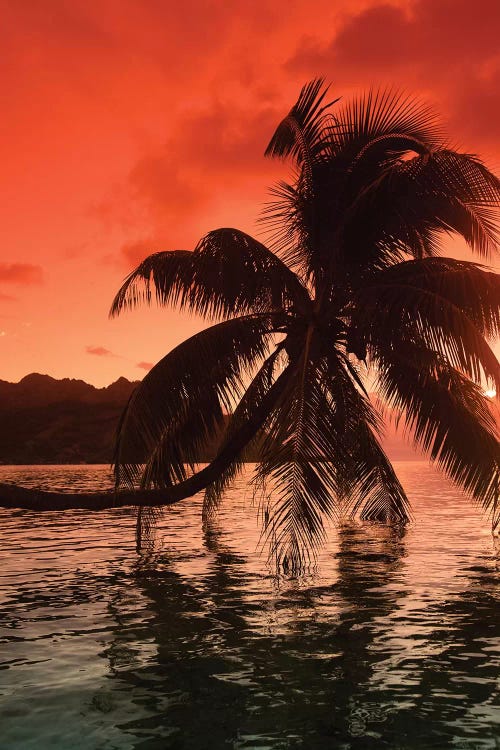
[(394, 641)]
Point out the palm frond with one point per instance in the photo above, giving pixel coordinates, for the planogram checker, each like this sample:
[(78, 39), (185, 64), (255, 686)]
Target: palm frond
[(448, 416), (407, 207), (369, 482), (321, 459), (228, 273), (300, 135), (170, 274), (398, 308), (248, 273), (457, 174), (363, 122), (250, 401), (286, 219), (180, 404), (458, 193), (473, 289), (145, 528), (298, 470)]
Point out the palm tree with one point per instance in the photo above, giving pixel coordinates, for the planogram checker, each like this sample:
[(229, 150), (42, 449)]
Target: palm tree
[(350, 287), (351, 290)]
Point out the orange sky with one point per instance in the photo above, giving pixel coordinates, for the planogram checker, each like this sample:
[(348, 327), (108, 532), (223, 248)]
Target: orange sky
[(130, 126)]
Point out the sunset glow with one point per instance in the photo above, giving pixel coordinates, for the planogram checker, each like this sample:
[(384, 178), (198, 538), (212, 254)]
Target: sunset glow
[(131, 127), (249, 373)]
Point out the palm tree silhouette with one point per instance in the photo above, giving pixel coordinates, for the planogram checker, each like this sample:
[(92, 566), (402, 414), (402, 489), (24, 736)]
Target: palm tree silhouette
[(351, 282)]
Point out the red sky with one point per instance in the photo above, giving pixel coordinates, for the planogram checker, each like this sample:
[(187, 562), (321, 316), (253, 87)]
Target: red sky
[(130, 126)]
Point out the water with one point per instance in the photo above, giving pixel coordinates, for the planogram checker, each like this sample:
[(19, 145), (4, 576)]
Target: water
[(392, 643)]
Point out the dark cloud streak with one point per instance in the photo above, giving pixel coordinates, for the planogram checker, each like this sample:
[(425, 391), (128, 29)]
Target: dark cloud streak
[(145, 366), (100, 351), (20, 273), (446, 49)]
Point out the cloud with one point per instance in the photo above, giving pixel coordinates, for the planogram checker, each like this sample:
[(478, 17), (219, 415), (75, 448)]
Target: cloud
[(380, 32), (159, 180), (99, 351), (145, 366), (385, 37), (6, 297), (476, 108), (212, 153), (448, 50), (221, 140), (20, 273)]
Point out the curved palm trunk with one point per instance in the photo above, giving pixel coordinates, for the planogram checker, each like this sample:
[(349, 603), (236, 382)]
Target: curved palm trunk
[(13, 496)]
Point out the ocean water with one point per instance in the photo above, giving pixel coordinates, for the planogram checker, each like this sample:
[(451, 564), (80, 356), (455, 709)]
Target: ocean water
[(393, 641)]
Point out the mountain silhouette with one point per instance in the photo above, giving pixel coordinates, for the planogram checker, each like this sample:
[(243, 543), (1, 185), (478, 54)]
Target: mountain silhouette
[(42, 390), (44, 420)]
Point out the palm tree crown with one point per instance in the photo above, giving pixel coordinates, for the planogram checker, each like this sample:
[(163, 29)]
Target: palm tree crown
[(351, 281)]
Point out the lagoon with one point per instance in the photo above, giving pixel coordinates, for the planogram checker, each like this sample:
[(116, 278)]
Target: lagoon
[(392, 641)]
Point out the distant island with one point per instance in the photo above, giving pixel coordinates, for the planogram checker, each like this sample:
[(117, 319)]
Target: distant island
[(48, 421), (44, 420)]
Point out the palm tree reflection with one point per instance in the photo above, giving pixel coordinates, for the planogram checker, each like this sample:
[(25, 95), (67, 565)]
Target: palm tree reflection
[(230, 659)]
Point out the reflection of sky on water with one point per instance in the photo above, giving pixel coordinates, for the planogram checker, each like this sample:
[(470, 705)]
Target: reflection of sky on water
[(393, 642)]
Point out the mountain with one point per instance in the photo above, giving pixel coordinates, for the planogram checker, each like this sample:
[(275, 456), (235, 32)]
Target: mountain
[(42, 390), (44, 420)]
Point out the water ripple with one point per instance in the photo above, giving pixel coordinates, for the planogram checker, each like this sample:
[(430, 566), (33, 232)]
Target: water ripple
[(393, 642)]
